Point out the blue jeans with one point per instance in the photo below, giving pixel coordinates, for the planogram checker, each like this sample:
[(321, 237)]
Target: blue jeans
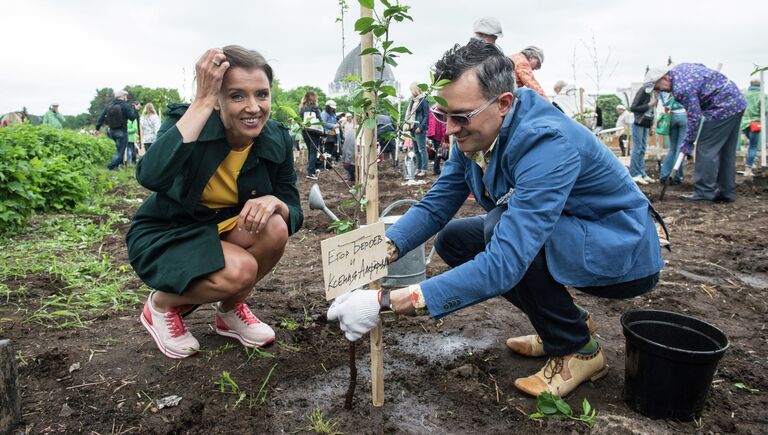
[(120, 136), (639, 145), (422, 158), (546, 302), (754, 140), (676, 135)]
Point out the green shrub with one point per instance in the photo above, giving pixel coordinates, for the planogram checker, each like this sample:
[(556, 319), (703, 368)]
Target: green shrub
[(45, 169)]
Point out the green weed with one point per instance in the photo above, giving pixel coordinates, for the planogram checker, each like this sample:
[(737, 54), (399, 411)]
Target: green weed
[(320, 425), (289, 324), (549, 405)]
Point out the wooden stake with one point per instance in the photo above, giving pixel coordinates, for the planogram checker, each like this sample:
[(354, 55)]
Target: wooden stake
[(371, 179)]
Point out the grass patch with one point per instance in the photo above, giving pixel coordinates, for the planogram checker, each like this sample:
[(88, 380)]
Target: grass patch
[(68, 249)]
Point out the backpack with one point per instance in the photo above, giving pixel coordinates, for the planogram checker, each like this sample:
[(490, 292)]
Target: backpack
[(114, 116)]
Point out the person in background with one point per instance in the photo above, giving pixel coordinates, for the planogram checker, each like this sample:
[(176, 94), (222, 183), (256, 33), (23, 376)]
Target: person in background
[(566, 98), (384, 129), (312, 135), (643, 107), (53, 118), (224, 203), (132, 127), (715, 102), (436, 134), (677, 128), (526, 62), (560, 211), (417, 118), (115, 115), (150, 124), (488, 29), (623, 123), (750, 124), (598, 121), (349, 130), (331, 124)]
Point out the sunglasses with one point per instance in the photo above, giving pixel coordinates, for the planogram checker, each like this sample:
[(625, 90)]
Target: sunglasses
[(461, 119)]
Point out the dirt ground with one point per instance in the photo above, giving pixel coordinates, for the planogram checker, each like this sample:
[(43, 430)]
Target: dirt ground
[(451, 376)]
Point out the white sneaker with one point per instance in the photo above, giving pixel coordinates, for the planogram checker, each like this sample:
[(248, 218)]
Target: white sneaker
[(639, 180), (649, 179), (748, 172), (168, 330), (240, 323)]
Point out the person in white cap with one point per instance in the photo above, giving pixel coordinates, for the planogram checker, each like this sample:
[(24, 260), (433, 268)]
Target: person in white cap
[(526, 62), (488, 29), (623, 122), (53, 118), (328, 116), (715, 102)]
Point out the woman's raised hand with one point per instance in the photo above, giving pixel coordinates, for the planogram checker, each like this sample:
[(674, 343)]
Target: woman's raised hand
[(209, 71)]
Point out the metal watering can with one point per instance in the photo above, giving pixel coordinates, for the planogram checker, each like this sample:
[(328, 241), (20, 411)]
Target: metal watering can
[(409, 167), (408, 269)]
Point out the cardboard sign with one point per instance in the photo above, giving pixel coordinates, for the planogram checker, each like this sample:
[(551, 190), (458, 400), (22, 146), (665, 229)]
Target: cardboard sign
[(353, 259)]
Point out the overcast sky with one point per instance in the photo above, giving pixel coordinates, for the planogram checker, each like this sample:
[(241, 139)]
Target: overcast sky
[(64, 50)]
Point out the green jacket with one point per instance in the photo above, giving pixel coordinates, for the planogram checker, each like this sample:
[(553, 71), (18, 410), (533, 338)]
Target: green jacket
[(174, 238), (131, 127), (54, 119), (752, 113)]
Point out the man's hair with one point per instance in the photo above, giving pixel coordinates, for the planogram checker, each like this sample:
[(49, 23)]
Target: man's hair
[(495, 71), (247, 59), (534, 51)]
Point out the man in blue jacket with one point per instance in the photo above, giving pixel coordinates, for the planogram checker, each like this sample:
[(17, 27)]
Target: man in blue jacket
[(116, 116), (562, 211)]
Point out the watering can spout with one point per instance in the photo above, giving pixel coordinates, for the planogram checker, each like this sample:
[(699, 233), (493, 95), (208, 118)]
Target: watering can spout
[(316, 202)]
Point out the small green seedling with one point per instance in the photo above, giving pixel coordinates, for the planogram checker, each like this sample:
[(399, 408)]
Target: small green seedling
[(320, 425), (289, 324), (742, 386), (227, 384), (260, 397), (548, 405)]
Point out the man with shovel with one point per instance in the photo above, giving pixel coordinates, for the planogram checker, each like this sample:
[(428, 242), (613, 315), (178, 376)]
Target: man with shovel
[(714, 106), (561, 210)]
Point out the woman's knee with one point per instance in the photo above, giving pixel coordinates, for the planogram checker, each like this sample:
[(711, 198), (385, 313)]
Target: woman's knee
[(277, 231), (240, 273)]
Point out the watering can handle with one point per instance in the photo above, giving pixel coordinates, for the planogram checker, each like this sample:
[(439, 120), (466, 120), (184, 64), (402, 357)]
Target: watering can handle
[(410, 202), (396, 203)]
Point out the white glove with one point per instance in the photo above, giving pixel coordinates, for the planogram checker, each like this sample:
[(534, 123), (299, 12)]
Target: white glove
[(357, 312)]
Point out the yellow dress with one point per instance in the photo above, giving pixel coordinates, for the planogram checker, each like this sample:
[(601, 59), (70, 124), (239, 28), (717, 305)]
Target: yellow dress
[(221, 190)]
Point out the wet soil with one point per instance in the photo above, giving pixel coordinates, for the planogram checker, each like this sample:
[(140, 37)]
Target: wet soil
[(450, 376)]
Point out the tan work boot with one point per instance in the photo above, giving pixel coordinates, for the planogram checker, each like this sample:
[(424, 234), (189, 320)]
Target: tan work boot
[(561, 375), (531, 345)]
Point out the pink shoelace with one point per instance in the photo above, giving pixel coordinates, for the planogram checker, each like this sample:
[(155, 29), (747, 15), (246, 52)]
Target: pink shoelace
[(245, 314), (175, 324)]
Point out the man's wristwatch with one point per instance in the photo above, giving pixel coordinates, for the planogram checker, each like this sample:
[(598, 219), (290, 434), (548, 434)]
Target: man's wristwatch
[(385, 303)]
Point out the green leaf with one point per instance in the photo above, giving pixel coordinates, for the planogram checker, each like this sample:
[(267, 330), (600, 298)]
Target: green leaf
[(536, 416), (586, 406), (563, 407), (370, 50), (386, 44), (388, 90), (742, 386), (442, 82), (369, 123), (423, 86), (401, 50), (441, 101), (363, 23), (366, 3)]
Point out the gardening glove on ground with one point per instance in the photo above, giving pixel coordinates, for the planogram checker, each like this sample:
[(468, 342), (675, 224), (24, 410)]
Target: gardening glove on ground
[(357, 312)]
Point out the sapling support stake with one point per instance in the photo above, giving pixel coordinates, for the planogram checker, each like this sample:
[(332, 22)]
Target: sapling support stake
[(352, 377)]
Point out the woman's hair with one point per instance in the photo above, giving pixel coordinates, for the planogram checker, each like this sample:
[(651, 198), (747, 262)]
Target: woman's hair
[(309, 98), (415, 90), (494, 70), (149, 109), (238, 56)]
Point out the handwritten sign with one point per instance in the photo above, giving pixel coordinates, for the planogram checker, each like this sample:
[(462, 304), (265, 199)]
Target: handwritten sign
[(353, 259)]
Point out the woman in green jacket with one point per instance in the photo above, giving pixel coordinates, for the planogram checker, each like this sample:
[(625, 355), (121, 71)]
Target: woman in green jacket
[(224, 203)]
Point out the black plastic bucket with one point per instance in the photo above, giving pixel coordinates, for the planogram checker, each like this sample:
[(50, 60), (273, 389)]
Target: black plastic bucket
[(670, 361)]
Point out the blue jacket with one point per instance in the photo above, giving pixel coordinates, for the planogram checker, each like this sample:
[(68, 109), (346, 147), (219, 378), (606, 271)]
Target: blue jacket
[(566, 192)]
